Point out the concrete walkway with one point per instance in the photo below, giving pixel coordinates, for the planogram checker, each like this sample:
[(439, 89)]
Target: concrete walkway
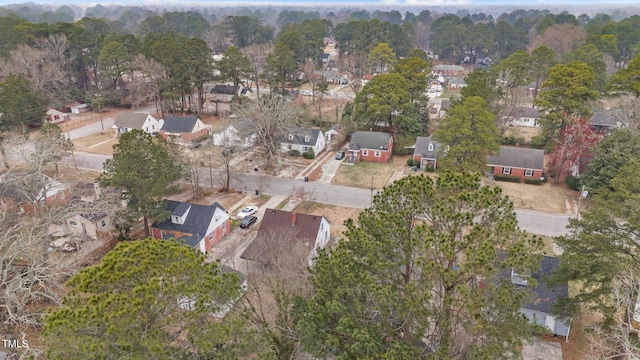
[(317, 162), (542, 350)]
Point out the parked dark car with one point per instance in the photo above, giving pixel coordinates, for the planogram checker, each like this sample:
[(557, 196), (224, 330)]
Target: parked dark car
[(248, 221), (340, 155)]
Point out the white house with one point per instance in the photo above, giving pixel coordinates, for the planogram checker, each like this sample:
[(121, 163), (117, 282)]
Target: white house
[(303, 140), (128, 121), (55, 117), (521, 116), (232, 137)]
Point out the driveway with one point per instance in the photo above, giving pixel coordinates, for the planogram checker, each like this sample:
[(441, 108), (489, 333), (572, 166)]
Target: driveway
[(329, 169), (542, 350)]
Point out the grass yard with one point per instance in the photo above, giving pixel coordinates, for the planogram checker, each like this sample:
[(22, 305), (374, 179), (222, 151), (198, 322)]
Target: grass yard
[(96, 143), (524, 132), (335, 214), (543, 197), (363, 173)]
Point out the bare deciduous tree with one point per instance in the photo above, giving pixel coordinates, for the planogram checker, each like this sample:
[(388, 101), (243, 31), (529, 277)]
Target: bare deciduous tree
[(561, 38), (145, 83), (257, 54), (303, 195), (270, 117)]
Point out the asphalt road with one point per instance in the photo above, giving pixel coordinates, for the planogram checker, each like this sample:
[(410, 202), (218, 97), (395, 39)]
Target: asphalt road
[(536, 222)]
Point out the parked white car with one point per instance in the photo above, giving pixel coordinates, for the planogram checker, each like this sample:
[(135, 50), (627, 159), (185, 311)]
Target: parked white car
[(249, 210), (306, 93)]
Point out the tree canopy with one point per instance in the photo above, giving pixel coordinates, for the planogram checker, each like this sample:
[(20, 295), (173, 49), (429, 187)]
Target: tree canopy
[(143, 167), (406, 283), (147, 299)]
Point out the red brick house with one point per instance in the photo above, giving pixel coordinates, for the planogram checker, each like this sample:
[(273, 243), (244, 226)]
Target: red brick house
[(33, 195), (183, 129), (515, 161), (449, 71), (370, 146), (199, 226)]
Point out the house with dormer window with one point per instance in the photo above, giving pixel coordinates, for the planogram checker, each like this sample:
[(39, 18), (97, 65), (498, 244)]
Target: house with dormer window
[(199, 226), (303, 140)]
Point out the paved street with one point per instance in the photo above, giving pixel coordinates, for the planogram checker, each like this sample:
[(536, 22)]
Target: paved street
[(91, 129), (536, 222)]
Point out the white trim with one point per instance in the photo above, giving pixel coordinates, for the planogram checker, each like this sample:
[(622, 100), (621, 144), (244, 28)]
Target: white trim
[(506, 170), (365, 152), (528, 172), (377, 154)]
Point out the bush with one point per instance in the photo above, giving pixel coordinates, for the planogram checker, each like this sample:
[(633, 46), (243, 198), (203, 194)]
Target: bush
[(533, 181), (509, 178), (410, 162), (430, 168), (573, 182), (310, 154), (294, 153)]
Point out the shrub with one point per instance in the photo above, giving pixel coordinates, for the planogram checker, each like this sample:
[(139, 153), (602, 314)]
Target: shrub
[(430, 168), (533, 181), (310, 154), (509, 178), (294, 152), (410, 162), (573, 182)]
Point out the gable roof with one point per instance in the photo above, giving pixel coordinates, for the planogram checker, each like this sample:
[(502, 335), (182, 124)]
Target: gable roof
[(299, 136), (457, 81), (422, 147), (518, 157), (130, 120), (369, 140), (603, 118), (195, 224), (448, 68), (304, 227), (223, 90), (522, 111), (544, 296), (179, 124)]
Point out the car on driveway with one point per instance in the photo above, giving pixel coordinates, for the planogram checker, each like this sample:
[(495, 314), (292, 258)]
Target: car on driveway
[(249, 210), (306, 93), (248, 221), (340, 155)]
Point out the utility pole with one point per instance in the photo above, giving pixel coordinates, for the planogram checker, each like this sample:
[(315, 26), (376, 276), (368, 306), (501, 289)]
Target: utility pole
[(210, 172), (371, 190), (98, 96), (73, 155)]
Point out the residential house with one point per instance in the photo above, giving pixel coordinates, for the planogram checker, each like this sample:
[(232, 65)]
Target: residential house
[(93, 224), (516, 161), (183, 129), (232, 137), (199, 226), (448, 71), (539, 310), (55, 117), (604, 121), (223, 93), (80, 108), (34, 193), (521, 116), (127, 121), (425, 152), (303, 140), (456, 84), (370, 146), (285, 233), (325, 58), (366, 79)]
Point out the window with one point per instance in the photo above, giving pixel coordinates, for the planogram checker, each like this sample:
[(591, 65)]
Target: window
[(528, 172), (376, 154), (153, 127), (307, 139), (446, 148), (365, 152), (305, 148), (224, 226), (146, 129), (430, 147), (73, 223), (290, 147), (290, 137), (103, 223), (506, 170)]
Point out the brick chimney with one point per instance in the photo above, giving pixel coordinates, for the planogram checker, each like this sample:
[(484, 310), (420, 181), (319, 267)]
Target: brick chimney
[(293, 219)]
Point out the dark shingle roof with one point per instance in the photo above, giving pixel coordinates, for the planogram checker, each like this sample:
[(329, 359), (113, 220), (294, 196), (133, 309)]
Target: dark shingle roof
[(130, 120), (603, 118), (544, 296), (275, 224), (422, 147), (196, 223), (518, 157), (369, 140), (224, 90), (299, 137), (179, 124)]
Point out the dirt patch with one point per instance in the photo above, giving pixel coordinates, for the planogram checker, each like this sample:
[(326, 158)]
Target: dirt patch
[(335, 214), (524, 132), (315, 174), (78, 121)]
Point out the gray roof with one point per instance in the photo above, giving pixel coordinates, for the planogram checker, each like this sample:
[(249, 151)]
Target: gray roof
[(518, 157), (369, 140), (195, 225), (224, 90), (422, 147), (603, 118), (445, 104), (130, 120), (543, 295), (299, 137), (457, 81), (179, 124), (447, 68), (522, 111)]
